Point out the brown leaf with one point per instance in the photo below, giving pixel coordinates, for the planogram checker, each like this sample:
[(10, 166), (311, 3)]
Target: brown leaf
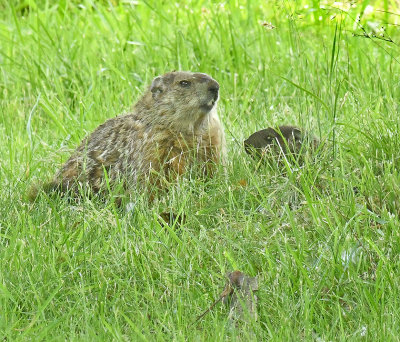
[(239, 292), (243, 183), (171, 218), (243, 304), (268, 25)]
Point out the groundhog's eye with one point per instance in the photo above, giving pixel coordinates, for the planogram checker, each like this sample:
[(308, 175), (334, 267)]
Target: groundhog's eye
[(184, 84)]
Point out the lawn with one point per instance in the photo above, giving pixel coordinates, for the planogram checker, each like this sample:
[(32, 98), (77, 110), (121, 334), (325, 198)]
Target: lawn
[(322, 237)]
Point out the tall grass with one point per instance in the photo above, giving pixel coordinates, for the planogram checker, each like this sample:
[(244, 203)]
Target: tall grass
[(322, 237)]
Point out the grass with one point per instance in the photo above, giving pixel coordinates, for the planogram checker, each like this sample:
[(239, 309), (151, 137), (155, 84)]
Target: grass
[(323, 238)]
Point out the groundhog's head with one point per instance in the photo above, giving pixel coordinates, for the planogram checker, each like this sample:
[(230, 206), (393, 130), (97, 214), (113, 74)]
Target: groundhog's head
[(185, 96)]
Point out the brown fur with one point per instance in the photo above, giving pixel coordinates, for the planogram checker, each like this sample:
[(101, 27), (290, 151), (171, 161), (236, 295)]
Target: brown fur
[(172, 127)]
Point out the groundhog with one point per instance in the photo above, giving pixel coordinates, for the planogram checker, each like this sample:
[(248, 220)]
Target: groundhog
[(173, 127), (272, 141)]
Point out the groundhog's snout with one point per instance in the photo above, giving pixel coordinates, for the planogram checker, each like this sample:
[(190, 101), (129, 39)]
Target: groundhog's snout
[(213, 88), (210, 90)]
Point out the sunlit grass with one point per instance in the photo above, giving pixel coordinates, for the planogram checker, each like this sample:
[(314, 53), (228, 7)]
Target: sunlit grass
[(323, 238)]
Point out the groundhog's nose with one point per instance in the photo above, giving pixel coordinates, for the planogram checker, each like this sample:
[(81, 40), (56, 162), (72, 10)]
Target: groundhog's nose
[(213, 88)]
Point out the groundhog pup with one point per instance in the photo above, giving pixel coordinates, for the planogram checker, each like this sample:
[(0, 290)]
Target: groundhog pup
[(272, 141), (173, 127)]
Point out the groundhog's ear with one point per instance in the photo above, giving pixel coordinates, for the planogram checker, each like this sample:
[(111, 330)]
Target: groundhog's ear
[(157, 87)]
